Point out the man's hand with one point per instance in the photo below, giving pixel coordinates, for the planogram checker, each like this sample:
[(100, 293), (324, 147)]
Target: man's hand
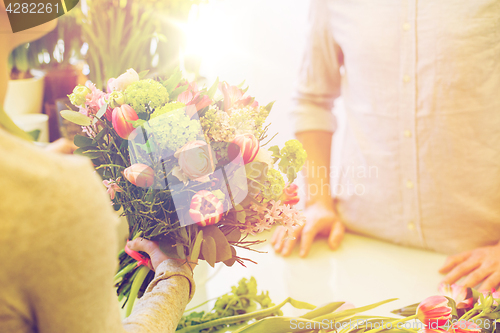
[(479, 265), (153, 250), (321, 219)]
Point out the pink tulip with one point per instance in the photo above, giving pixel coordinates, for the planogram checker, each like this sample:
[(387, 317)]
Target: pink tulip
[(290, 195), (463, 326), (432, 330), (140, 175), (434, 311), (249, 146), (122, 127), (205, 208)]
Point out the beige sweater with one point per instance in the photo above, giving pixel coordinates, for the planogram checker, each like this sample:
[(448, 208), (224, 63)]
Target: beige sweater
[(57, 251)]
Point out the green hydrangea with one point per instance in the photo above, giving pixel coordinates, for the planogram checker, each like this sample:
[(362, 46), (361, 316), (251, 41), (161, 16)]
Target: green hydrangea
[(293, 157), (274, 186), (215, 124), (174, 129), (144, 92), (249, 120), (167, 108)]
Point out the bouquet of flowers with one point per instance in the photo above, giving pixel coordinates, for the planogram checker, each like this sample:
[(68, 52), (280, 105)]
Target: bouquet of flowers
[(187, 167)]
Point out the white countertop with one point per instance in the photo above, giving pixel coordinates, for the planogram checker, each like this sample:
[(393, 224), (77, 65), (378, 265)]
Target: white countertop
[(362, 271)]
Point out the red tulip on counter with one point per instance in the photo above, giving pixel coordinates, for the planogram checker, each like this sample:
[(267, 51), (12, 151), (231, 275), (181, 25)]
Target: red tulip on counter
[(434, 311)]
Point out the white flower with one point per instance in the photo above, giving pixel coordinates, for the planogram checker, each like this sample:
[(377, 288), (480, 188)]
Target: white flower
[(177, 172), (264, 156), (124, 80)]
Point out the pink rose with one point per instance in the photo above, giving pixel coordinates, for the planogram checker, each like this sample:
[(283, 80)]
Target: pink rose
[(123, 81), (197, 160)]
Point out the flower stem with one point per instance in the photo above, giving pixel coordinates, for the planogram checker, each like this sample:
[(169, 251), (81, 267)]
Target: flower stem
[(136, 285), (124, 271), (402, 320)]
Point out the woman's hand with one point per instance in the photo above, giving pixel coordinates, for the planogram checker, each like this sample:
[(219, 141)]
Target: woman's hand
[(153, 250), (321, 219)]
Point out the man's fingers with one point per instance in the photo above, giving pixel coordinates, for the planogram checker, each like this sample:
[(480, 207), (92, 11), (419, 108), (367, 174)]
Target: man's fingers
[(460, 271), (307, 238), (453, 261), (279, 242), (336, 235), (493, 281), (276, 235), (289, 245), (476, 276)]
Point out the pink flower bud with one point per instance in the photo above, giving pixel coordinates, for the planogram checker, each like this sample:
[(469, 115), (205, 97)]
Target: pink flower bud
[(119, 118), (290, 195), (205, 208), (249, 146), (140, 175), (434, 311)]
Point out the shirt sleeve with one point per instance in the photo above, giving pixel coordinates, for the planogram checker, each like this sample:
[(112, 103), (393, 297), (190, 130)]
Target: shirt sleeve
[(71, 260), (319, 76)]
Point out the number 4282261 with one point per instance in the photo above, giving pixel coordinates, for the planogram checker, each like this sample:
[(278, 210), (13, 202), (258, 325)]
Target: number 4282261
[(32, 8)]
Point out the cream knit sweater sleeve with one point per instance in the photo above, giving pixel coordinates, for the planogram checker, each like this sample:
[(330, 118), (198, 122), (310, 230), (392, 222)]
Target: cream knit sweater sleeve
[(57, 251)]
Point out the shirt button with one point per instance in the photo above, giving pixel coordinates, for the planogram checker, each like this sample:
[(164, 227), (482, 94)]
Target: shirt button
[(411, 226), (406, 78), (409, 184), (406, 26), (407, 134)]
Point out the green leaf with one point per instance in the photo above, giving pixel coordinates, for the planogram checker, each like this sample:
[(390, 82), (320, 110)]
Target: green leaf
[(223, 249), (208, 250), (323, 310), (407, 311), (195, 253), (35, 134), (177, 92), (83, 141), (143, 74), (173, 80), (230, 262), (342, 314), (269, 106), (234, 235), (213, 89), (84, 152), (76, 117), (137, 123), (180, 251), (98, 137), (241, 84), (101, 111)]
